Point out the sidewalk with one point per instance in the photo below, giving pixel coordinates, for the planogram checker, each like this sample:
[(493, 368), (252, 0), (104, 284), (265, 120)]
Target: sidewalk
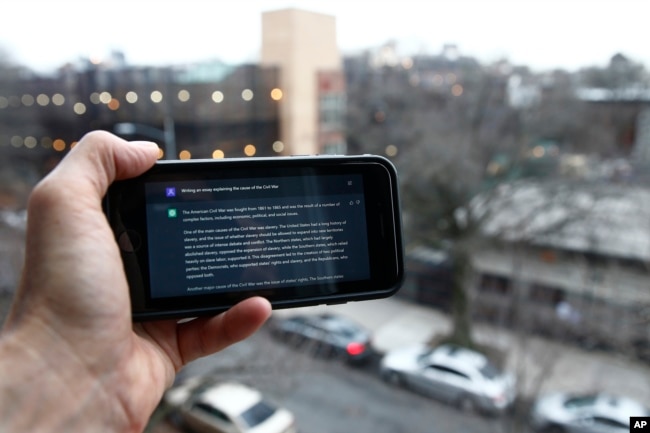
[(540, 364)]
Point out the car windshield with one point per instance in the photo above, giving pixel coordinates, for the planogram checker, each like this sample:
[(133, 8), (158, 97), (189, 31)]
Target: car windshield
[(581, 401), (299, 320), (257, 414), (424, 357), (490, 371), (209, 409)]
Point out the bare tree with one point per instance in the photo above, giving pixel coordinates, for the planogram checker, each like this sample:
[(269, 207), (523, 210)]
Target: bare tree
[(445, 119)]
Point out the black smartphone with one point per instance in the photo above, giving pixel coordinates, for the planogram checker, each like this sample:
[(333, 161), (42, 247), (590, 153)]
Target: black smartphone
[(198, 236)]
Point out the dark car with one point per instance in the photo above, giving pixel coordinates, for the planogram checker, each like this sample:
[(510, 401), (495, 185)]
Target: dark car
[(326, 335)]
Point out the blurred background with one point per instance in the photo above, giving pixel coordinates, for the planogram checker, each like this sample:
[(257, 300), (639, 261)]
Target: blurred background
[(521, 132)]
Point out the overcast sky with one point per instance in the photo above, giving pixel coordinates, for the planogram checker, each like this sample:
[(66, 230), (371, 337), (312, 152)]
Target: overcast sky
[(542, 34)]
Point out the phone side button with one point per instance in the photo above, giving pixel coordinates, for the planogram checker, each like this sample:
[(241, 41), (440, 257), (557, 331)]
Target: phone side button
[(337, 303), (129, 241)]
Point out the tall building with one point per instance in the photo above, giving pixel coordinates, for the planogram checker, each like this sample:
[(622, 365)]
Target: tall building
[(302, 45)]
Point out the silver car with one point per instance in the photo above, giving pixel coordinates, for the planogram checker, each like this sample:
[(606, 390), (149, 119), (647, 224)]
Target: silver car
[(454, 374), (208, 406), (588, 413)]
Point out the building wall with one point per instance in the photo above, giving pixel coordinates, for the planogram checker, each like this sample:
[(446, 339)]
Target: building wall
[(300, 44), (601, 301), (202, 122)]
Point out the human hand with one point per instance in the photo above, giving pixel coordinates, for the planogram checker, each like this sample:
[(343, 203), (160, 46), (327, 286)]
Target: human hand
[(70, 357)]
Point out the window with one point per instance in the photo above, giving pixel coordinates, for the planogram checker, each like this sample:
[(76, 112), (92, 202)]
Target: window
[(332, 111), (257, 414), (580, 402), (489, 371), (608, 422), (448, 370), (212, 411)]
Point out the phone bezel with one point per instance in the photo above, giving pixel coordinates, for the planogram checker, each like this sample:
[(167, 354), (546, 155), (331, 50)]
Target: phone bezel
[(126, 210)]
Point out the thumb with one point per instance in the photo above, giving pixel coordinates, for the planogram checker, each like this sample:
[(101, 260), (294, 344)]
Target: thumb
[(100, 158)]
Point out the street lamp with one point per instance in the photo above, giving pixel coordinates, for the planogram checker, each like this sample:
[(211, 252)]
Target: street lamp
[(166, 135)]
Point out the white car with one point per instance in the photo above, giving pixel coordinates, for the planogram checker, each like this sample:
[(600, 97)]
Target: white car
[(457, 375), (588, 413), (226, 407)]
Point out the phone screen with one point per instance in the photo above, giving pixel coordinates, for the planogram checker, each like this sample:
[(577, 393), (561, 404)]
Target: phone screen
[(229, 235)]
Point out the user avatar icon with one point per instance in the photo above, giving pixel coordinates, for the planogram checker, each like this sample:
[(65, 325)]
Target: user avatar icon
[(170, 191)]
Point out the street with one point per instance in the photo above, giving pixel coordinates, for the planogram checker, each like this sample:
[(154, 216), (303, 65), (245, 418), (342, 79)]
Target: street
[(328, 396)]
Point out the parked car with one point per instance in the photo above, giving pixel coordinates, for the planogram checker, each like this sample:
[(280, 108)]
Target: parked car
[(326, 335), (453, 374), (206, 406), (584, 413)]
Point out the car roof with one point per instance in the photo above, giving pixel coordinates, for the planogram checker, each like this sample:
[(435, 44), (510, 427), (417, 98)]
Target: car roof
[(457, 356), (230, 397), (329, 321)]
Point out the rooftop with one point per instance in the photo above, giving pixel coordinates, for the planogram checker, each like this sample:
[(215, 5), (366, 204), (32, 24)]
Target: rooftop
[(606, 219)]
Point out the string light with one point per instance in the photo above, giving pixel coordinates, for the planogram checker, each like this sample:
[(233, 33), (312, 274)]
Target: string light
[(217, 97), (250, 150), (276, 94), (156, 96), (247, 95)]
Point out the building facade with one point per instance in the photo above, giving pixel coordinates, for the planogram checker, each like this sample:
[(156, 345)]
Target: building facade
[(302, 46)]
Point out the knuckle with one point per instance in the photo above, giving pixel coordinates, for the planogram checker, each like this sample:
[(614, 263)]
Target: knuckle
[(43, 196)]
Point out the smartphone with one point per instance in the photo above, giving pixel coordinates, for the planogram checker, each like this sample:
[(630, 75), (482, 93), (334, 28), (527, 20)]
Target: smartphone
[(196, 237)]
